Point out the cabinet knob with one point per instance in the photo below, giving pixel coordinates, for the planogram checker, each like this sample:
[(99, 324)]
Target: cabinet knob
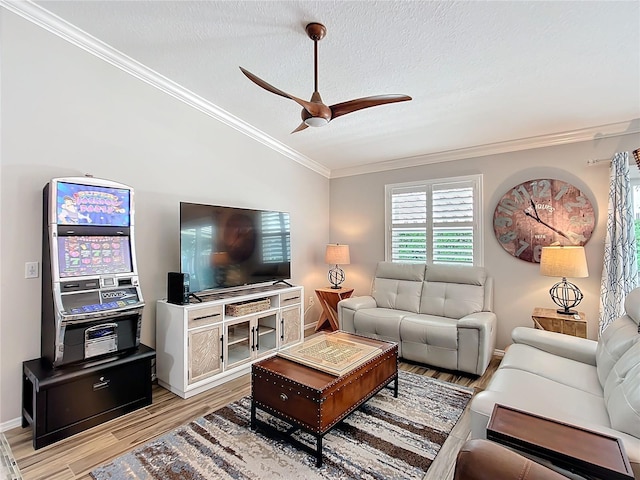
[(283, 397)]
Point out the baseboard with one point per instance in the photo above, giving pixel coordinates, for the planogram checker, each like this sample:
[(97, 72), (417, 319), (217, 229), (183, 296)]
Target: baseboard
[(498, 353), (16, 422)]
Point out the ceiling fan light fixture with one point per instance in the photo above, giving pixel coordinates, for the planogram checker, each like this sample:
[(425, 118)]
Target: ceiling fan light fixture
[(314, 112), (316, 122)]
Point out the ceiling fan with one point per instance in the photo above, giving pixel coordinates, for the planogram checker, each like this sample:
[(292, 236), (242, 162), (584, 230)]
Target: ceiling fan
[(314, 112)]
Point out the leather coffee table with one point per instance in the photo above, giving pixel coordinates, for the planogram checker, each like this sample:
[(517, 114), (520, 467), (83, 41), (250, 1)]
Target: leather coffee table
[(316, 401)]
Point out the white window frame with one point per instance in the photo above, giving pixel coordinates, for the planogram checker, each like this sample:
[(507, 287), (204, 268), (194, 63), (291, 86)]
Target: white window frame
[(475, 181)]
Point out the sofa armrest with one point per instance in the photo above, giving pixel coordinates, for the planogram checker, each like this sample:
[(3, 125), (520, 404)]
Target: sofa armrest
[(485, 460), (476, 341), (347, 309), (567, 346)]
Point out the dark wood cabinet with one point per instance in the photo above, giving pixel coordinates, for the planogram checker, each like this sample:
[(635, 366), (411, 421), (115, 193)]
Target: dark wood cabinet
[(61, 402)]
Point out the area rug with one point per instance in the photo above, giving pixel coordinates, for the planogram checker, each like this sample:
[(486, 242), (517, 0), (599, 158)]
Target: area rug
[(8, 467), (387, 438)]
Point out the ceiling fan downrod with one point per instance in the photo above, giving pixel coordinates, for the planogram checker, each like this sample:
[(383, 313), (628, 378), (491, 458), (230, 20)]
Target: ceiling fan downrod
[(316, 32)]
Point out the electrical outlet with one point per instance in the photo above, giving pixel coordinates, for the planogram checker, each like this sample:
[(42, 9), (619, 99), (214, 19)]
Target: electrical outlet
[(31, 270), (311, 301)]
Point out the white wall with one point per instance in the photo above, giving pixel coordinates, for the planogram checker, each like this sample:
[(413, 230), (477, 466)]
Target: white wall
[(357, 218), (67, 113)]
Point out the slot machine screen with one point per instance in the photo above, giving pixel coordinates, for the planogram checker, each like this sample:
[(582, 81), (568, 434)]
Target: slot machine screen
[(78, 204), (80, 256)]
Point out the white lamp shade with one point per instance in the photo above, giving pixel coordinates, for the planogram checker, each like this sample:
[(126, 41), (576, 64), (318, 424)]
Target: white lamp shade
[(563, 261), (337, 254)]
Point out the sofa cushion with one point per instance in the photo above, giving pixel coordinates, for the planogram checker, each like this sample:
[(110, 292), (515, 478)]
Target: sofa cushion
[(614, 342), (619, 336), (431, 330), (425, 337), (622, 392), (453, 291), (536, 394), (382, 323), (413, 272), (451, 300), (398, 286), (456, 274), (553, 367)]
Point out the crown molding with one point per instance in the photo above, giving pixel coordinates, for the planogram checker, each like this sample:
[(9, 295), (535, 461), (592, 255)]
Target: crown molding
[(585, 134), (72, 34)]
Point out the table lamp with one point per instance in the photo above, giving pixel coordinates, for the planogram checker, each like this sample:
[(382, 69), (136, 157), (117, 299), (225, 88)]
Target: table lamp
[(336, 254), (564, 261)]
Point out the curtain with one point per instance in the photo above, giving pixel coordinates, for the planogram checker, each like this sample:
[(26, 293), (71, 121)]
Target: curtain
[(620, 269)]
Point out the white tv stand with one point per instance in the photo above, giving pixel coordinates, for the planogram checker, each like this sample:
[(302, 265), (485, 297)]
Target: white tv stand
[(202, 345)]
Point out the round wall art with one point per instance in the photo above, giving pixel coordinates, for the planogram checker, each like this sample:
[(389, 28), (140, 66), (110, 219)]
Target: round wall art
[(541, 212)]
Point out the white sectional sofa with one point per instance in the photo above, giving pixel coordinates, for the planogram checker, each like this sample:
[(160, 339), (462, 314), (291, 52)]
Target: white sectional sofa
[(594, 385), (438, 314)]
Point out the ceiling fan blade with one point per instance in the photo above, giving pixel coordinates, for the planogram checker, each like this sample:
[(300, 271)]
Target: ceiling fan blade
[(343, 108), (308, 106), (302, 126)]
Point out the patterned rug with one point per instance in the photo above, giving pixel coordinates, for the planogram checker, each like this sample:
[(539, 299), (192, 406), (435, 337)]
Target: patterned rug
[(8, 467), (387, 438)]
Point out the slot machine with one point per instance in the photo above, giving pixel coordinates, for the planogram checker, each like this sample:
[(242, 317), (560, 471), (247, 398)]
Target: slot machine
[(91, 298)]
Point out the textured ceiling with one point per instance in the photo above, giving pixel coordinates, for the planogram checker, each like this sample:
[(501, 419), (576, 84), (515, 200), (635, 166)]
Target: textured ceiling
[(478, 72)]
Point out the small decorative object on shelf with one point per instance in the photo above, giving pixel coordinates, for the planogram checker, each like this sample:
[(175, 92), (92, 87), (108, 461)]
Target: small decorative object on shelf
[(336, 254), (564, 261)]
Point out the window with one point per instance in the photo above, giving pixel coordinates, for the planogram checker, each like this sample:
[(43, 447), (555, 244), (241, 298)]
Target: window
[(435, 221), (276, 237)]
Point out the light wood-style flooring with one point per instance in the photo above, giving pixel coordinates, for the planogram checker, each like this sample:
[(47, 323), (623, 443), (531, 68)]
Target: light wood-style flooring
[(75, 457)]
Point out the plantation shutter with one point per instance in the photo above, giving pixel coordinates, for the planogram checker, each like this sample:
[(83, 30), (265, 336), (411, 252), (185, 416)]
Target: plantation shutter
[(409, 225), (434, 222), (452, 224), (275, 247)]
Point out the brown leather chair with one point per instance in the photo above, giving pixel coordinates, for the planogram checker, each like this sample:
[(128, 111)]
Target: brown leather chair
[(484, 460)]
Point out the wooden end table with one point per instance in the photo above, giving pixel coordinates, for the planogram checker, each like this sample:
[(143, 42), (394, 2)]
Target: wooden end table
[(549, 319), (329, 298), (588, 453)]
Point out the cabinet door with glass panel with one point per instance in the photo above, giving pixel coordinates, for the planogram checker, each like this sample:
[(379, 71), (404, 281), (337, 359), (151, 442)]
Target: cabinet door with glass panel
[(266, 334), (237, 342), (250, 337)]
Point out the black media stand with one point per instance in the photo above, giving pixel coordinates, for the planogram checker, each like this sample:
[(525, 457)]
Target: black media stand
[(61, 402)]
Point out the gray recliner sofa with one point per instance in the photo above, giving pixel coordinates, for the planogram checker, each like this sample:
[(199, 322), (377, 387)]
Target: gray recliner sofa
[(440, 315), (587, 383)]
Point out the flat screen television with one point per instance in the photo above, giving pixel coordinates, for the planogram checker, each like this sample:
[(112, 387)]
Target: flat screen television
[(224, 247)]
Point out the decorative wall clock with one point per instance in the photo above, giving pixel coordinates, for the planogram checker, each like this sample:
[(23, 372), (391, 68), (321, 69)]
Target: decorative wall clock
[(541, 212)]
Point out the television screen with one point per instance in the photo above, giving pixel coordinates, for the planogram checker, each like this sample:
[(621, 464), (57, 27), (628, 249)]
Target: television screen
[(80, 256), (222, 247), (92, 205)]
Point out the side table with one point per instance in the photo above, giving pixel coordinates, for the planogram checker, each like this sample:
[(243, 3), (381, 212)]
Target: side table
[(549, 319), (329, 298), (588, 453)]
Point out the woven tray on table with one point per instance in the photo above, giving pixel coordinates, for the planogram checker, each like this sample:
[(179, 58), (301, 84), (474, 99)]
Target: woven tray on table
[(245, 308)]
